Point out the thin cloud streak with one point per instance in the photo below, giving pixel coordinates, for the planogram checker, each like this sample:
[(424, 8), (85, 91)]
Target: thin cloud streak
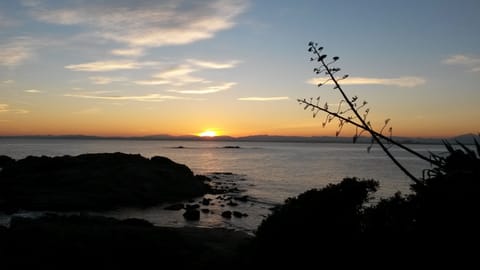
[(460, 59), (33, 91), (399, 82), (130, 52), (262, 98), (473, 63), (148, 97), (208, 90), (214, 65), (106, 80), (112, 65)]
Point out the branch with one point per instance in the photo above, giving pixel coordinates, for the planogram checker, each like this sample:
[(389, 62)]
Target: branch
[(390, 140), (375, 135)]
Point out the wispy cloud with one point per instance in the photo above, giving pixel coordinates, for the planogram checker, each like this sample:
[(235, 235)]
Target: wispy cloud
[(206, 90), (399, 82), (213, 65), (128, 52), (176, 76), (33, 91), (8, 81), (145, 23), (148, 97), (15, 52), (471, 62), (5, 108), (262, 98), (106, 80), (112, 65), (182, 75)]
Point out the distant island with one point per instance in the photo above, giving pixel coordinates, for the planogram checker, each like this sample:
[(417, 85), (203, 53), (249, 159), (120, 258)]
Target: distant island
[(465, 138)]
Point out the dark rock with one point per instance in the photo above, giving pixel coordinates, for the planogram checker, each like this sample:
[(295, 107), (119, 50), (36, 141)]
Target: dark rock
[(242, 198), (231, 203), (95, 182), (206, 201), (237, 214), (6, 161), (205, 210), (175, 207), (192, 214), (227, 214), (192, 206)]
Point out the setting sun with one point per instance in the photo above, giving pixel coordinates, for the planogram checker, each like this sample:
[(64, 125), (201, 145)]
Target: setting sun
[(208, 133)]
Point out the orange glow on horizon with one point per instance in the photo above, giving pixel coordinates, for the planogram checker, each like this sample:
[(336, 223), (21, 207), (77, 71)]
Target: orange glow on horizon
[(208, 133)]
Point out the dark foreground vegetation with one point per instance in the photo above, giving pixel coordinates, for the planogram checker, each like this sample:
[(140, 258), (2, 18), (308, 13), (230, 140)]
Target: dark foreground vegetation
[(94, 182), (87, 242), (438, 223)]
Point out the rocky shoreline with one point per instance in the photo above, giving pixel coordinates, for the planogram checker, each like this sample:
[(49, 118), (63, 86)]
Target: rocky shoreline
[(95, 182), (60, 186)]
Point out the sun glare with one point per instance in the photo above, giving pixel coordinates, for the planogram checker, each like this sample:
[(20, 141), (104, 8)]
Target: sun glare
[(208, 133)]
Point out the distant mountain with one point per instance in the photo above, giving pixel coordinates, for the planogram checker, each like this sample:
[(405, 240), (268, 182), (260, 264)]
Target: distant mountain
[(465, 138)]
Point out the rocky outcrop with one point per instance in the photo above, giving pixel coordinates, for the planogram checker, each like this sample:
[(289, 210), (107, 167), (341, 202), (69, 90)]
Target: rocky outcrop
[(94, 182)]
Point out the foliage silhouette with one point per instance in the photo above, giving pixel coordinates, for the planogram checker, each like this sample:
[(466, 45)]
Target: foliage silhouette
[(355, 113)]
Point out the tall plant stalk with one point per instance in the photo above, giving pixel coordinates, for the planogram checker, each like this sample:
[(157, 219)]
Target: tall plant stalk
[(357, 120)]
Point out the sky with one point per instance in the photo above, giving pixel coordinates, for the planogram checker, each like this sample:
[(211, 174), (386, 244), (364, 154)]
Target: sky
[(234, 67)]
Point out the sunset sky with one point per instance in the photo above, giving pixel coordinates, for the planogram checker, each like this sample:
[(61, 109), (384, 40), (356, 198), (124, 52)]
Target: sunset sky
[(129, 68)]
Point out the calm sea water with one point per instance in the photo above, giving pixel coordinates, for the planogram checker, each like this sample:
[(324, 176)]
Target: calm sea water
[(266, 172)]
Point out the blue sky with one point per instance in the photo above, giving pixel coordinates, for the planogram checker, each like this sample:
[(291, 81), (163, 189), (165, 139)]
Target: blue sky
[(236, 67)]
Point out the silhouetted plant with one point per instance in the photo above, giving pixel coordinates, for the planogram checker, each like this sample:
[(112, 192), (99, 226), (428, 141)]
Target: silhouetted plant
[(350, 111)]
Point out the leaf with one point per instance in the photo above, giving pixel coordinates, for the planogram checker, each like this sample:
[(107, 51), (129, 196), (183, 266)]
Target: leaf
[(448, 146), (478, 146), (468, 151)]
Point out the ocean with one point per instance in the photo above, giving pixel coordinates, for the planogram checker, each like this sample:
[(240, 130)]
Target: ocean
[(266, 172)]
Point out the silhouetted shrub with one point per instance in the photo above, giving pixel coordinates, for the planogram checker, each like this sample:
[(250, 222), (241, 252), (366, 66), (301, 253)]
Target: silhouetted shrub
[(322, 222)]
